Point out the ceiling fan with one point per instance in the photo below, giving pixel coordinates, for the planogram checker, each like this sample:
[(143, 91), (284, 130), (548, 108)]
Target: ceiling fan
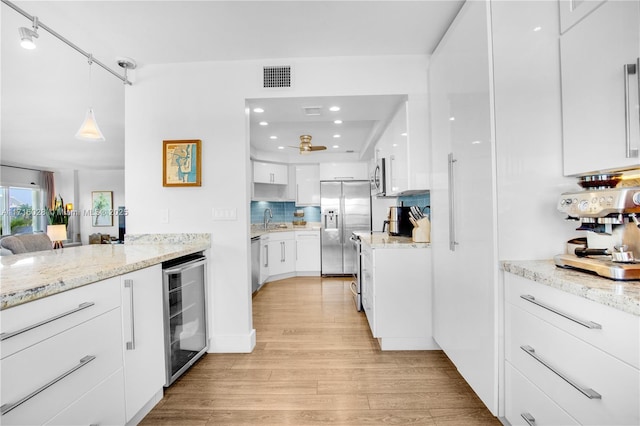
[(306, 147)]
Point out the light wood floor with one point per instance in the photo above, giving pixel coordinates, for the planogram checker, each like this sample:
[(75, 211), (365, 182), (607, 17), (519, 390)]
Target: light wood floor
[(316, 363)]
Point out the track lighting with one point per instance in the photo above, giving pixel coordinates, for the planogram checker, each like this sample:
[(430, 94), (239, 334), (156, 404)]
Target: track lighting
[(27, 35)]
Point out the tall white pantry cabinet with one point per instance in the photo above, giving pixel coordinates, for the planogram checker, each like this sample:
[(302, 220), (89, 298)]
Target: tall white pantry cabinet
[(497, 172)]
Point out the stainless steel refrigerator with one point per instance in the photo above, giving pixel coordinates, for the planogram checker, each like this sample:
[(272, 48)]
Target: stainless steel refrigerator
[(345, 208)]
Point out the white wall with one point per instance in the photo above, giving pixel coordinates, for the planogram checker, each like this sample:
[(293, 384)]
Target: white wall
[(207, 101), (98, 180)]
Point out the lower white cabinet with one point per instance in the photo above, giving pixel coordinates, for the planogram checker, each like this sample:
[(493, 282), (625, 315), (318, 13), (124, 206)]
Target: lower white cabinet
[(143, 337), (307, 252), (396, 295), (554, 341), (90, 355), (282, 253), (41, 380)]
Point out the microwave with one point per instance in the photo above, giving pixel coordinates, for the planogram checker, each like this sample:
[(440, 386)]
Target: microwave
[(377, 178)]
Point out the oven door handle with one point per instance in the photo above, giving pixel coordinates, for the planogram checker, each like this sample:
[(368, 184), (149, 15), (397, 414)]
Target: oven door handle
[(354, 288), (185, 266)]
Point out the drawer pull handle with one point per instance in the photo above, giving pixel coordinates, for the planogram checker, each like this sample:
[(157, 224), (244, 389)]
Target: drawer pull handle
[(131, 345), (531, 421), (10, 406), (80, 307), (589, 393), (584, 323)]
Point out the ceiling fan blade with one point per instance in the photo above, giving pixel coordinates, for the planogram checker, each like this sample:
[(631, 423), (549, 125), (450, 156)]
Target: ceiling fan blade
[(317, 148)]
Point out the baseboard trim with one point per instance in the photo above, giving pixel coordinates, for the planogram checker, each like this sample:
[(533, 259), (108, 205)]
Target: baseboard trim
[(239, 343), (146, 408)]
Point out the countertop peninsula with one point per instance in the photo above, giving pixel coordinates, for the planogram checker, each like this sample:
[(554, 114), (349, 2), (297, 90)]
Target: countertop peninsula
[(384, 240), (31, 276), (621, 295)]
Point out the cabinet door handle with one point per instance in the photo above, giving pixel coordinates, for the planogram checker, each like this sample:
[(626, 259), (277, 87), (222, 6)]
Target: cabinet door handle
[(584, 323), (266, 256), (531, 421), (589, 393), (629, 69), (80, 307), (131, 345), (452, 205), (10, 406)]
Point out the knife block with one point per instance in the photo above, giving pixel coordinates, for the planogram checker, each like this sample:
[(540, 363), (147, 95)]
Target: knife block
[(422, 232)]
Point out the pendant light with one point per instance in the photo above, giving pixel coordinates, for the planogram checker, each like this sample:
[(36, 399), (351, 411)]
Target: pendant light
[(89, 131)]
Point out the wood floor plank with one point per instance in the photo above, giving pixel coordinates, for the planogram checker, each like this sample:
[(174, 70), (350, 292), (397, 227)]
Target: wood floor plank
[(316, 363)]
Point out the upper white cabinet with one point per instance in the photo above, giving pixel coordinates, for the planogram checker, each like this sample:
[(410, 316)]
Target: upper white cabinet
[(270, 173), (573, 11), (404, 146), (599, 58), (307, 185), (343, 171)]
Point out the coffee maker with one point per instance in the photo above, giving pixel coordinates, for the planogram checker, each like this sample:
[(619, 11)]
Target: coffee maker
[(398, 221), (609, 215)]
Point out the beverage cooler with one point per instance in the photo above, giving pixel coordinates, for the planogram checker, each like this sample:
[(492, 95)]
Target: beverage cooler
[(185, 317)]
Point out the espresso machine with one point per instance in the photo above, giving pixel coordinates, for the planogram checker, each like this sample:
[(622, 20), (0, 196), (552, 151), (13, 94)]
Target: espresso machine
[(610, 216)]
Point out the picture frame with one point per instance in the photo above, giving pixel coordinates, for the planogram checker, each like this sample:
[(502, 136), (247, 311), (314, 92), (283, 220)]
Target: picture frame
[(102, 208), (181, 162)]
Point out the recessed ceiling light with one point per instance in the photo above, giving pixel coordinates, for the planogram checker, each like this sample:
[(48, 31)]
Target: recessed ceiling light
[(336, 136), (281, 147), (263, 123), (536, 29), (334, 108), (273, 137), (258, 110), (394, 145), (337, 121), (452, 119), (336, 146), (476, 142), (403, 134)]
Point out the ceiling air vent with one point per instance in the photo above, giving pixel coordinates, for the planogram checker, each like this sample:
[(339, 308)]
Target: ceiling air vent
[(278, 76)]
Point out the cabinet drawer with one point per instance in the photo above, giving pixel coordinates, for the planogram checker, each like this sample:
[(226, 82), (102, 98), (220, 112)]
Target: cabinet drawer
[(524, 399), (102, 405), (613, 384), (281, 236), (51, 315), (40, 365), (619, 334)]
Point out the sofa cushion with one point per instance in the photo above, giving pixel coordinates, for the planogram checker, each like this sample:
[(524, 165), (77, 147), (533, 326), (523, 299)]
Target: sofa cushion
[(13, 244), (26, 243)]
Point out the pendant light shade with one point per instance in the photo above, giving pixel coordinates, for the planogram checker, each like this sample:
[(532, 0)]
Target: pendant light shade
[(89, 131)]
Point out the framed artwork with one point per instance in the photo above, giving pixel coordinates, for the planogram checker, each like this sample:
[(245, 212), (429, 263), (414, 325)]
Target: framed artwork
[(181, 163), (102, 208)]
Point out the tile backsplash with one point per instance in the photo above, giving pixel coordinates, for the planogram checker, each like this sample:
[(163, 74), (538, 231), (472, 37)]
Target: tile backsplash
[(420, 200), (282, 211)]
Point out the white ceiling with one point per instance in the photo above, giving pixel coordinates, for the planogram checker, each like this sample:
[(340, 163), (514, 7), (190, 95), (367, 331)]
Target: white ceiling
[(45, 92)]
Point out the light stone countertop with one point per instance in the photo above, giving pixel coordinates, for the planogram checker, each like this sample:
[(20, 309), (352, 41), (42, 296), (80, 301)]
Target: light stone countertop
[(621, 295), (258, 230), (31, 276), (386, 241)]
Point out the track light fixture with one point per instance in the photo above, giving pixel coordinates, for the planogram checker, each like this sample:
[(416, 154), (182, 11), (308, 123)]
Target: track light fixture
[(27, 35)]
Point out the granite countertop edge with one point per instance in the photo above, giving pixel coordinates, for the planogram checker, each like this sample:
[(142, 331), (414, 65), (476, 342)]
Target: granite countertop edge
[(41, 277), (620, 295)]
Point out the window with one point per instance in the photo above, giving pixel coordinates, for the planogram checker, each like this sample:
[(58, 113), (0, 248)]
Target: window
[(22, 211)]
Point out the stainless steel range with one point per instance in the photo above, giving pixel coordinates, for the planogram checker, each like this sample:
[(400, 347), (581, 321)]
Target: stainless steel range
[(609, 215)]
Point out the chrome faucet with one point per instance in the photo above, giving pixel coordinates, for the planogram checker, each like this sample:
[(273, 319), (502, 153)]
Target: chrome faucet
[(267, 219)]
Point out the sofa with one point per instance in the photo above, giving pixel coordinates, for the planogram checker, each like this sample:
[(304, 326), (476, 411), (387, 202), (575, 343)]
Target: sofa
[(25, 243)]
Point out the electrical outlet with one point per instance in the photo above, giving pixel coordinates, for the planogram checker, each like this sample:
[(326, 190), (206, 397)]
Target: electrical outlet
[(224, 214), (164, 215)]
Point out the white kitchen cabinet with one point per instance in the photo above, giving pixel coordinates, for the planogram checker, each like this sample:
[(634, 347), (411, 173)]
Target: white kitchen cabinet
[(488, 62), (143, 338), (601, 125), (282, 254), (271, 173), (582, 355), (464, 255), (77, 331), (396, 296), (307, 185), (308, 252), (573, 11), (41, 380), (344, 171), (403, 145), (264, 258)]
